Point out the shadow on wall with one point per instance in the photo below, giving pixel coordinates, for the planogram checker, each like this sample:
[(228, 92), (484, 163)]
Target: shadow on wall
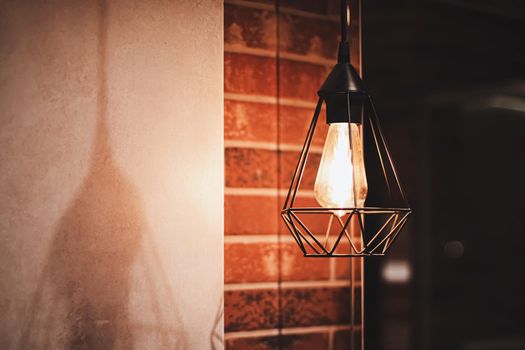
[(216, 336), (102, 286)]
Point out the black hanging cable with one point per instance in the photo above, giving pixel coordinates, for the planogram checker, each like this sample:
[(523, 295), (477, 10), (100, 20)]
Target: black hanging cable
[(343, 20), (343, 55)]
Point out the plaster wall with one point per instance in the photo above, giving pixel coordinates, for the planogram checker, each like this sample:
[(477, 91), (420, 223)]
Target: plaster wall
[(111, 181)]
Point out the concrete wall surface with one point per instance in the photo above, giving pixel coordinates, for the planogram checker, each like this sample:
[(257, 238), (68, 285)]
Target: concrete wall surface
[(111, 181)]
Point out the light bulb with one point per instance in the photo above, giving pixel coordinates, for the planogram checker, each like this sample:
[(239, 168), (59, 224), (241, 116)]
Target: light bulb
[(341, 178)]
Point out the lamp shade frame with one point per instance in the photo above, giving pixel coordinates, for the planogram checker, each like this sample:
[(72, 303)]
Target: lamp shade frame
[(343, 94)]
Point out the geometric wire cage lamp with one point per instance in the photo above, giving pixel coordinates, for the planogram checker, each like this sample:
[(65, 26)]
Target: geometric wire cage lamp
[(360, 207)]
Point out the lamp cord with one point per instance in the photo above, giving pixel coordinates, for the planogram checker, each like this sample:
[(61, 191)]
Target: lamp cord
[(343, 54), (344, 20)]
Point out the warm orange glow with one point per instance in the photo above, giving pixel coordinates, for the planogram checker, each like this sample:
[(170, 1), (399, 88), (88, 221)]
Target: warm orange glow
[(341, 178)]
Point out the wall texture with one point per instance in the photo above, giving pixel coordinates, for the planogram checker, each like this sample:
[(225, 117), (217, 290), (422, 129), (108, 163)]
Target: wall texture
[(111, 149), (277, 54)]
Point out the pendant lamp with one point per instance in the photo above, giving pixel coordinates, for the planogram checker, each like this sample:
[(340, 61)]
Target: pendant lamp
[(360, 207)]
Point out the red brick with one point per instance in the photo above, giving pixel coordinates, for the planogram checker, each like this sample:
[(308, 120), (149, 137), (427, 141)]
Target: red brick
[(249, 27), (320, 306), (265, 262), (300, 307), (248, 121), (250, 215), (308, 36), (294, 123), (288, 163), (343, 339), (250, 310), (249, 74), (300, 80), (309, 341), (248, 167)]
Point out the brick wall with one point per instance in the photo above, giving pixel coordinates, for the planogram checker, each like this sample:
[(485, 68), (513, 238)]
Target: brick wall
[(276, 57)]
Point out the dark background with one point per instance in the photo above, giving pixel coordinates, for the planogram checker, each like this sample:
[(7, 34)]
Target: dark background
[(448, 79)]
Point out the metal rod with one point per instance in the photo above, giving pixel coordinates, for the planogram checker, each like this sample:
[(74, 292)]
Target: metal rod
[(348, 234), (396, 216), (382, 228), (388, 153), (296, 179), (290, 227), (365, 210), (399, 224), (309, 233), (328, 230), (396, 234), (301, 235), (343, 230), (379, 153)]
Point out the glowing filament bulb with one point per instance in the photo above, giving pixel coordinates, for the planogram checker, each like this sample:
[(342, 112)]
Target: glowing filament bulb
[(341, 178)]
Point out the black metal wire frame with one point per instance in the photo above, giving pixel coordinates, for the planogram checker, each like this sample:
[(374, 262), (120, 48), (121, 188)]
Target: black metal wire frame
[(359, 243)]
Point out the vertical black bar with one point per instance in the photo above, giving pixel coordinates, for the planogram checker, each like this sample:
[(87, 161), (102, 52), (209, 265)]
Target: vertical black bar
[(279, 169), (376, 119), (377, 144), (296, 179)]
